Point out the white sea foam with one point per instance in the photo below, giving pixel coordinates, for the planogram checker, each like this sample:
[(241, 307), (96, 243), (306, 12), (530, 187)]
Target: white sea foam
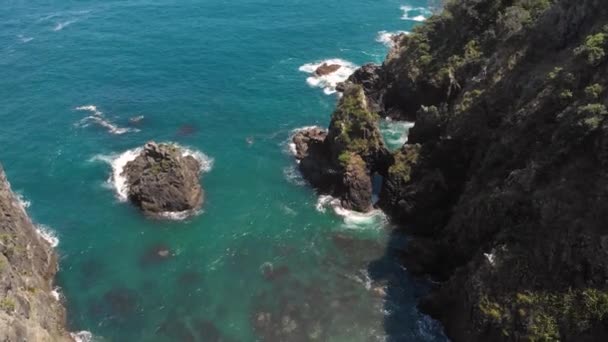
[(418, 14), (395, 133), (48, 235), (180, 215), (328, 82), (388, 38), (82, 336), (293, 175), (56, 293), (119, 181), (24, 39), (22, 201), (63, 24), (98, 118), (352, 219)]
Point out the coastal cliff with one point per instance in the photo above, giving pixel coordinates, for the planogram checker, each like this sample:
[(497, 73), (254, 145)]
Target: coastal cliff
[(28, 309), (503, 183)]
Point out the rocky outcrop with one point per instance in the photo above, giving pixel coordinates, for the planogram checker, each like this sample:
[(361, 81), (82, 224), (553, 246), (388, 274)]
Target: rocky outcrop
[(164, 179), (341, 160), (28, 309), (326, 69), (503, 185)]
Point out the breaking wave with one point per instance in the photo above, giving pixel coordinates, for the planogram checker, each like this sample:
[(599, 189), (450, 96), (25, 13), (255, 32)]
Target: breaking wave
[(388, 38), (352, 219), (328, 82), (48, 235)]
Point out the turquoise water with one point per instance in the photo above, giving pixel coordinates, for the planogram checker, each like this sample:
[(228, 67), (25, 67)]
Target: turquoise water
[(209, 75)]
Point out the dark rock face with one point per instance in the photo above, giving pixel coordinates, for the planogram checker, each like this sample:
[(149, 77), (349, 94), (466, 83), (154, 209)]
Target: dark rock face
[(503, 183), (340, 161), (370, 77), (326, 69), (161, 179), (357, 185), (28, 310)]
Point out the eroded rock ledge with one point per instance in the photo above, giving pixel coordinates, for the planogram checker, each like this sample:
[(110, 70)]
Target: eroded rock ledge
[(28, 310), (163, 179)]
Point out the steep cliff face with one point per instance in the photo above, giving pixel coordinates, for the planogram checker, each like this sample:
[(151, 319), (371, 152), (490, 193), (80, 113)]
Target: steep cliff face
[(504, 183), (28, 310)]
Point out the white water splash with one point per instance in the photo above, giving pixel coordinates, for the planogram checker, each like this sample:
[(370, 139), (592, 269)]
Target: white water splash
[(82, 336), (352, 219), (48, 235), (388, 38), (328, 82), (418, 14)]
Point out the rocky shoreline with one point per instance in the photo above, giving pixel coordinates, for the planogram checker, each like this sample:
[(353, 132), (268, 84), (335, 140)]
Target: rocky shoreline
[(502, 182), (29, 309)]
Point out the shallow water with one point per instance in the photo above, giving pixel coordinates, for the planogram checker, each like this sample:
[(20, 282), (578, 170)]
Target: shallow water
[(223, 78)]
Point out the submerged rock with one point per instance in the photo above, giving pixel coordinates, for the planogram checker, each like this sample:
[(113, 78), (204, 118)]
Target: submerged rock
[(326, 69), (156, 254), (163, 179)]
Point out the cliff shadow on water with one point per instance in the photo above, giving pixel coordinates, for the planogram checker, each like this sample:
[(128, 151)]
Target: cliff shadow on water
[(402, 320)]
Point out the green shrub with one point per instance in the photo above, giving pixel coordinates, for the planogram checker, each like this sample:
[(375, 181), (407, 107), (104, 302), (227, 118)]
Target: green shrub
[(7, 305), (593, 109), (593, 48), (594, 91), (566, 95)]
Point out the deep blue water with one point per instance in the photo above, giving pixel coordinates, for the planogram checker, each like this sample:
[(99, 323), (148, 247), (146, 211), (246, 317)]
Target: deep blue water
[(209, 75)]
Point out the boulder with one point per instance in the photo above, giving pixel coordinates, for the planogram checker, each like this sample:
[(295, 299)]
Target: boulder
[(164, 179), (326, 69)]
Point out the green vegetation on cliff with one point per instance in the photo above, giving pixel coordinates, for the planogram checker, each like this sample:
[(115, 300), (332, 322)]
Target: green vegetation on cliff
[(353, 126), (507, 190)]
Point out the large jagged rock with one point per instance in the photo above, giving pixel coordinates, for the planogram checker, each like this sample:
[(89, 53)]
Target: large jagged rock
[(505, 195), (163, 179), (28, 309), (341, 161)]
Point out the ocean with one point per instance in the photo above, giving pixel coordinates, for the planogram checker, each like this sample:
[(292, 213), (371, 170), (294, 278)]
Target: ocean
[(84, 83)]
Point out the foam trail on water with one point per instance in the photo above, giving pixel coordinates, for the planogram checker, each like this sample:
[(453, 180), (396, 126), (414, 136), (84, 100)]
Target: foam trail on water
[(328, 82), (24, 39), (98, 118), (418, 14), (48, 235), (61, 25), (388, 38)]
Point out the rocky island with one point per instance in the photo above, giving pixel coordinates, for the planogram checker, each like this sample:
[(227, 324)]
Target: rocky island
[(163, 179), (29, 311), (503, 183)]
